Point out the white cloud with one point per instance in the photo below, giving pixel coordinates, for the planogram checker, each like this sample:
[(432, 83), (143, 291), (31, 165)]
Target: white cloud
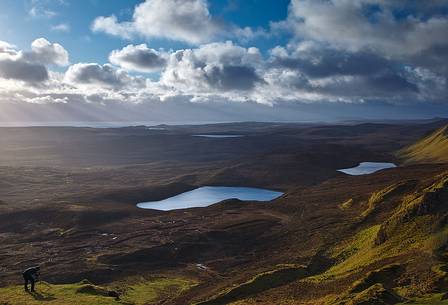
[(30, 66), (61, 27), (40, 9), (6, 47), (44, 52), (46, 99), (111, 26), (185, 20), (139, 58), (214, 67), (38, 12), (189, 21)]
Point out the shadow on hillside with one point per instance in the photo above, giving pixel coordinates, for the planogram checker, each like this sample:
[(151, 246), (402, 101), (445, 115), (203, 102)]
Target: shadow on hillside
[(42, 296)]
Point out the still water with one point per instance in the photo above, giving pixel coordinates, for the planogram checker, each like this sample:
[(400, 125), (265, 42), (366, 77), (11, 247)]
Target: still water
[(365, 168), (218, 136), (208, 195)]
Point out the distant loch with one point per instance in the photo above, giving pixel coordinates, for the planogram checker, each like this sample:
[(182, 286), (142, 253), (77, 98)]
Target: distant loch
[(218, 136), (208, 195), (365, 168)]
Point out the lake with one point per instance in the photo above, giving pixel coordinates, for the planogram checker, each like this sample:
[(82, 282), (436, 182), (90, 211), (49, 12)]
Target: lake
[(218, 136), (365, 168), (208, 195)]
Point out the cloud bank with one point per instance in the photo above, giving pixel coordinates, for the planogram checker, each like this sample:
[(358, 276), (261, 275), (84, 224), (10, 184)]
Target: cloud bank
[(369, 52)]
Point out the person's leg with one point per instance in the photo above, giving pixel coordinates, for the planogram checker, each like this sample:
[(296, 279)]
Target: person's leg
[(26, 283), (32, 285)]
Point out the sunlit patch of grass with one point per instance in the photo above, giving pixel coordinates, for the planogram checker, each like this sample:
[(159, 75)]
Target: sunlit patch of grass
[(352, 254), (433, 148), (87, 293), (259, 283), (379, 196), (53, 294), (346, 204), (361, 251), (416, 207), (142, 293)]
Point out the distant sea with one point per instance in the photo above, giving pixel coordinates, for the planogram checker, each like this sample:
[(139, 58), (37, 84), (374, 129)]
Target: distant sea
[(99, 124)]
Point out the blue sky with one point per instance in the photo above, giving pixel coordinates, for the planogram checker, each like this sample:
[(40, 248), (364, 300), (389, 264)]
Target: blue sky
[(85, 46), (222, 60)]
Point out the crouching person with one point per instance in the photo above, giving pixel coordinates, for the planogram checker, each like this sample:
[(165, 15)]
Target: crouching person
[(31, 275)]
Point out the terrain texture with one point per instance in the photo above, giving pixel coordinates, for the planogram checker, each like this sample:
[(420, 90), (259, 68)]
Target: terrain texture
[(68, 195)]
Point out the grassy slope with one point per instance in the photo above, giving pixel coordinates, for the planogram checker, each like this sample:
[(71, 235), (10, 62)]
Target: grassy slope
[(258, 284), (433, 148), (86, 293), (415, 231), (403, 258)]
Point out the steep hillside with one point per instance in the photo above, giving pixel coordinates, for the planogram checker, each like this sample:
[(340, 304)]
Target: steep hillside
[(396, 253), (431, 149)]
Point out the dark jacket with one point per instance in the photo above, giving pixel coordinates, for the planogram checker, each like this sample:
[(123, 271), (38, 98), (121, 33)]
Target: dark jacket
[(31, 273)]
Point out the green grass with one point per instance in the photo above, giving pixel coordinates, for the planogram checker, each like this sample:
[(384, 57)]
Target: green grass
[(361, 251), (259, 283), (140, 294), (415, 207), (352, 255), (380, 196), (433, 148), (83, 293)]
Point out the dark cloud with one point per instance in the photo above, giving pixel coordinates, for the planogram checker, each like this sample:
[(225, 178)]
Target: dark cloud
[(323, 62), (96, 74), (22, 70), (338, 73), (391, 87), (393, 28), (434, 58), (232, 77), (138, 58)]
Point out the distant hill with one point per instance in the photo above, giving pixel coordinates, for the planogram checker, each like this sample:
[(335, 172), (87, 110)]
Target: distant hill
[(431, 149)]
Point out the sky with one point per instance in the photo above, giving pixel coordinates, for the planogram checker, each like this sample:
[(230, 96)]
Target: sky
[(222, 60)]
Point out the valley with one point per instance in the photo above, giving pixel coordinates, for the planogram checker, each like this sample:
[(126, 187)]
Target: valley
[(68, 203)]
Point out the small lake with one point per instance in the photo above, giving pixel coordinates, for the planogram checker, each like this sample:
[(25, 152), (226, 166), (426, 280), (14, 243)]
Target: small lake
[(218, 136), (208, 195), (365, 168)]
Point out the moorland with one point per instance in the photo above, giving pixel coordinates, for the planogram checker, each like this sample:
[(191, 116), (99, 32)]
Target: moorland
[(68, 203)]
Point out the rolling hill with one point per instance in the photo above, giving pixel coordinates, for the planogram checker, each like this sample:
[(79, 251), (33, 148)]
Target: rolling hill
[(430, 149)]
